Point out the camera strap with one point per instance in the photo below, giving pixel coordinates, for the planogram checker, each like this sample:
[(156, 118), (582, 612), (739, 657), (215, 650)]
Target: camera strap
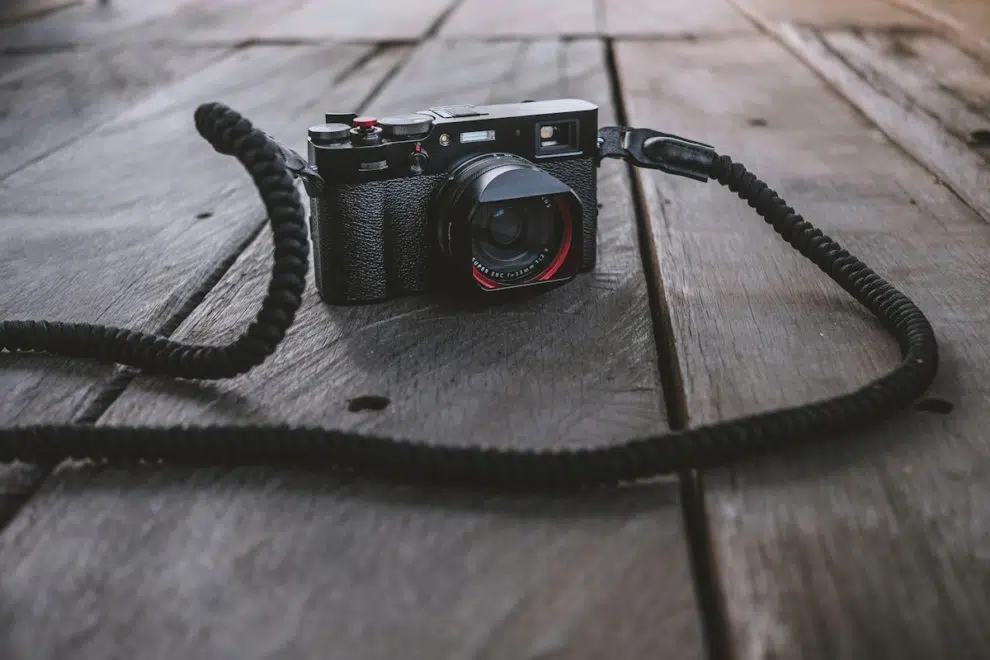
[(274, 168)]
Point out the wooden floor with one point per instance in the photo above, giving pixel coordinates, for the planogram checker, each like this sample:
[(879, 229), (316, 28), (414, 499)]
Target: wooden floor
[(871, 117)]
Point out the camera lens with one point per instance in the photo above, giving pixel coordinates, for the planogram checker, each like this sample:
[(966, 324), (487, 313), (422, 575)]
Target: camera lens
[(511, 240), (504, 224), (507, 221)]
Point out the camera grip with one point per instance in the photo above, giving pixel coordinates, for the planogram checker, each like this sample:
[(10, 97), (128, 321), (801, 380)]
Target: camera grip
[(348, 228), (372, 240)]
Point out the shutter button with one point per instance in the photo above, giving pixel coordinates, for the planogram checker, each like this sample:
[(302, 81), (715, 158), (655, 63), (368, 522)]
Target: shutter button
[(366, 132)]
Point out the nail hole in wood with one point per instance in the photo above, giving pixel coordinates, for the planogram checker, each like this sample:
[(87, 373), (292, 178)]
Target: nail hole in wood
[(980, 138), (939, 406), (204, 215), (368, 402), (900, 48), (756, 121)]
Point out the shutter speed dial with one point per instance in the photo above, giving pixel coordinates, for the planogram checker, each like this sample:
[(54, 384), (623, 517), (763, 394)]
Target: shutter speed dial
[(403, 127)]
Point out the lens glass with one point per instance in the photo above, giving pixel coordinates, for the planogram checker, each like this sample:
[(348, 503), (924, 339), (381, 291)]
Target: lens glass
[(515, 239)]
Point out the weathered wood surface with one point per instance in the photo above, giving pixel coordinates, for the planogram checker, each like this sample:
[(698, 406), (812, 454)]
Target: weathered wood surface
[(225, 22), (50, 101), (871, 549), (528, 19), (140, 23), (964, 21), (277, 563), (670, 18), (19, 10), (831, 13), (147, 214), (88, 23), (367, 20), (56, 99), (925, 93), (521, 18)]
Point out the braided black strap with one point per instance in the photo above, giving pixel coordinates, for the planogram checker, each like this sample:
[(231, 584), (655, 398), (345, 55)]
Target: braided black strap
[(229, 134), (418, 462)]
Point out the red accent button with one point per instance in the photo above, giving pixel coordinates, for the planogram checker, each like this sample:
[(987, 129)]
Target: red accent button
[(365, 122)]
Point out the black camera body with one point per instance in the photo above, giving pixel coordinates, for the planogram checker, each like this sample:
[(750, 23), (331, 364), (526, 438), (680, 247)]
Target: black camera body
[(488, 198)]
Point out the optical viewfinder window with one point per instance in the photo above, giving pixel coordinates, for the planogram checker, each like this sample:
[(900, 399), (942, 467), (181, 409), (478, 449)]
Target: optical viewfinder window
[(557, 138)]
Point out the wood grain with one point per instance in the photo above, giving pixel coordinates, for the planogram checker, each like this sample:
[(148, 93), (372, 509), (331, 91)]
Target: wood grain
[(527, 19), (966, 22), (144, 22), (924, 93), (86, 23), (226, 22), (521, 18), (868, 549), (125, 241), (671, 18), (19, 10), (51, 100), (369, 20), (831, 13), (259, 564)]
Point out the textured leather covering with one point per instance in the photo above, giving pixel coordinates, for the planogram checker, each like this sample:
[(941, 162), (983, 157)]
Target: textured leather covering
[(374, 240)]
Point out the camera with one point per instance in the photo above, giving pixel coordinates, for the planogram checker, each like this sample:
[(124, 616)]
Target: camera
[(482, 198)]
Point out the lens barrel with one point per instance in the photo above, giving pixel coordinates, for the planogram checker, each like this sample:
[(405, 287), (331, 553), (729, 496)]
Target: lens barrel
[(507, 222)]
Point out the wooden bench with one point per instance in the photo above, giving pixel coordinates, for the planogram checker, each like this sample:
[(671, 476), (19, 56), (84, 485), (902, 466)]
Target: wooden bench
[(865, 115)]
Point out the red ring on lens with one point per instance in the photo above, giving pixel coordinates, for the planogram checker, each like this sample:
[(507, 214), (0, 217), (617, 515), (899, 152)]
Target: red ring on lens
[(565, 243), (558, 260)]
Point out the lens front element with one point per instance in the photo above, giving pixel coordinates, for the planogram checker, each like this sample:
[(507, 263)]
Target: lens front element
[(507, 223), (515, 239)]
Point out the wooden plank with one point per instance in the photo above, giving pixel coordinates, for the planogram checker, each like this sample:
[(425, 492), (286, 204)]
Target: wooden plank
[(88, 22), (867, 549), (521, 18), (142, 23), (526, 19), (54, 99), (146, 211), (370, 20), (73, 92), (831, 13), (228, 22), (964, 21), (278, 563), (922, 92), (671, 18)]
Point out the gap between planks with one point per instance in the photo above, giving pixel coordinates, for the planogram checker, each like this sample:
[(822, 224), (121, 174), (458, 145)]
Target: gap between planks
[(830, 518), (641, 594), (84, 396), (292, 42), (18, 482), (905, 116), (711, 603), (959, 29)]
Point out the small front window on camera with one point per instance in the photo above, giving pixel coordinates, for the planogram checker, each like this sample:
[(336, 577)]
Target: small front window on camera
[(557, 138)]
